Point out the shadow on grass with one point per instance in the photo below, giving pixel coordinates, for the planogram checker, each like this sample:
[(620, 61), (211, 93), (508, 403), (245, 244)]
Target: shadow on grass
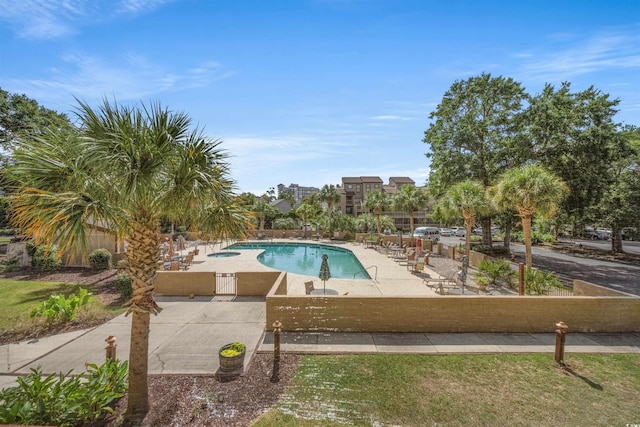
[(567, 369)]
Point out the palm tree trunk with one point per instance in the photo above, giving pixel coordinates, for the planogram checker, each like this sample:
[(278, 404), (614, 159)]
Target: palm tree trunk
[(468, 223), (526, 230), (411, 229), (143, 253), (138, 400), (487, 239)]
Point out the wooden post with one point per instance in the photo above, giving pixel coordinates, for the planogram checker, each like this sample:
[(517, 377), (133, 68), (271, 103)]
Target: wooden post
[(275, 376), (521, 279), (561, 336), (111, 347)]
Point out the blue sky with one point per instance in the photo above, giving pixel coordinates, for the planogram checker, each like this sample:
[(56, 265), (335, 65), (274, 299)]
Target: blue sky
[(309, 91)]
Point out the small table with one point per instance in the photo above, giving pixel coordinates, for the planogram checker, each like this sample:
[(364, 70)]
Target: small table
[(371, 243), (322, 292)]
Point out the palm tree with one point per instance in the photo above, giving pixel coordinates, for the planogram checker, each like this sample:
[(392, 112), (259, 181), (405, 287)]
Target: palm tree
[(264, 210), (330, 195), (376, 202), (410, 199), (466, 199), (306, 211), (124, 169), (529, 189)]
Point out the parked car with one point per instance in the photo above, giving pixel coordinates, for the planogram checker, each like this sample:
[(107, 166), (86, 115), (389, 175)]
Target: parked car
[(432, 233), (477, 231), (596, 233), (627, 233), (446, 232), (459, 231)]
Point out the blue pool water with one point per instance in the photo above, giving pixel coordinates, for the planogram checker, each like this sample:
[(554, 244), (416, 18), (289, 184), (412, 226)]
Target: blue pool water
[(305, 258), (224, 254)]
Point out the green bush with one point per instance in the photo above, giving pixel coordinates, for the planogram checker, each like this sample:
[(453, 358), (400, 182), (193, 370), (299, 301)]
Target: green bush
[(59, 308), (498, 272), (123, 285), (7, 231), (539, 282), (123, 264), (10, 263), (100, 259), (233, 349), (45, 258), (537, 237), (64, 400)]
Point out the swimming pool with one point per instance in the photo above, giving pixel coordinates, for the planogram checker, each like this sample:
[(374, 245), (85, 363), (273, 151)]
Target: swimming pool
[(305, 258)]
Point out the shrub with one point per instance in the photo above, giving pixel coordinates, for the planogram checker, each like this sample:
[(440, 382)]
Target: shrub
[(495, 273), (539, 282), (7, 231), (10, 263), (233, 349), (45, 257), (64, 400), (57, 307), (537, 237), (100, 259), (123, 264), (123, 285)]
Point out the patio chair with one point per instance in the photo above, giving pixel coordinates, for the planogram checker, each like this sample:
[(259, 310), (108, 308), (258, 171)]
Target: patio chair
[(418, 267), (187, 261), (175, 266), (308, 287), (442, 290), (409, 256)]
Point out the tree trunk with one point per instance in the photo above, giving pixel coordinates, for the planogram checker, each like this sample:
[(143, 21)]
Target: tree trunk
[(507, 234), (144, 251), (526, 230), (486, 231), (616, 239), (138, 400), (411, 230)]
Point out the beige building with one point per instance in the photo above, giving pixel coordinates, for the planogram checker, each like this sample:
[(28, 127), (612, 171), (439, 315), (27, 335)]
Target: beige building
[(354, 191)]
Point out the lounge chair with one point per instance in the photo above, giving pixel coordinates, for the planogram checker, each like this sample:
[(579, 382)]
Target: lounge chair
[(308, 287), (449, 280), (442, 290)]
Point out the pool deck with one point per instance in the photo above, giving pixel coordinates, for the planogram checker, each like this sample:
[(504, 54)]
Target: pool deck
[(388, 276)]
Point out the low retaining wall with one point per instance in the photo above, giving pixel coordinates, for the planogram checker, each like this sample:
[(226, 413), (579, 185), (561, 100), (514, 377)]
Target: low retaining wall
[(604, 310), (453, 313), (186, 283)]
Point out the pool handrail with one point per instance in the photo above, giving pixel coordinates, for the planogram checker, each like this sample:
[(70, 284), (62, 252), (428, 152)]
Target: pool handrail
[(365, 270)]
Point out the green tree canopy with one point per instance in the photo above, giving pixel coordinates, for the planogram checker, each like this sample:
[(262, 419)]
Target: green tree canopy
[(377, 202), (409, 200)]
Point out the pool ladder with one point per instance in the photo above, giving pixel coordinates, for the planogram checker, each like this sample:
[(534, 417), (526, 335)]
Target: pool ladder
[(365, 270)]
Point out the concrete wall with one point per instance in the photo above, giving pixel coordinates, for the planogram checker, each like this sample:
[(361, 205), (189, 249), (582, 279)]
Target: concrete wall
[(185, 283), (582, 288), (199, 283), (453, 313)]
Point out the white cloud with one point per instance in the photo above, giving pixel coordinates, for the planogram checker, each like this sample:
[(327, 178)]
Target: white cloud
[(130, 77), (47, 19), (392, 118), (608, 50)]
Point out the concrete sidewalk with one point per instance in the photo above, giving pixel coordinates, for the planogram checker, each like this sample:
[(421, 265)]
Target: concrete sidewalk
[(186, 336), (449, 343)]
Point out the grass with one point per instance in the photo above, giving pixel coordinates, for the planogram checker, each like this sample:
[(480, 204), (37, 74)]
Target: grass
[(452, 390), (5, 239), (19, 297)]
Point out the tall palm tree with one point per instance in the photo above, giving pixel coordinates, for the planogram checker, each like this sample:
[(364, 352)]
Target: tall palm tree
[(467, 199), (264, 210), (330, 195), (410, 199), (376, 202), (124, 169), (529, 189)]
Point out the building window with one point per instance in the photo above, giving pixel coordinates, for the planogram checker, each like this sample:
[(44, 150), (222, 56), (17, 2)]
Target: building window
[(358, 188), (377, 186), (350, 186)]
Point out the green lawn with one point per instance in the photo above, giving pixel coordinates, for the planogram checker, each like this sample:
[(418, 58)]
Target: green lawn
[(20, 297), (456, 390), (5, 239)]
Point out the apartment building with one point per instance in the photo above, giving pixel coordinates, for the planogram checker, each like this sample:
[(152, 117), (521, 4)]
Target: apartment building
[(354, 191)]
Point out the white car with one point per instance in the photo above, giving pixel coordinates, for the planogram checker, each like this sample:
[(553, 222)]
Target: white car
[(446, 232), (459, 231)]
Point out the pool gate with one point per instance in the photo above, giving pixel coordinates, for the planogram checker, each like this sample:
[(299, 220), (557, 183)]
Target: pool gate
[(226, 284)]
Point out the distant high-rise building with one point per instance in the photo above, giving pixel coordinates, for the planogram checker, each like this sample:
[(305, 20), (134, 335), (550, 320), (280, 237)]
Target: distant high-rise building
[(299, 193)]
